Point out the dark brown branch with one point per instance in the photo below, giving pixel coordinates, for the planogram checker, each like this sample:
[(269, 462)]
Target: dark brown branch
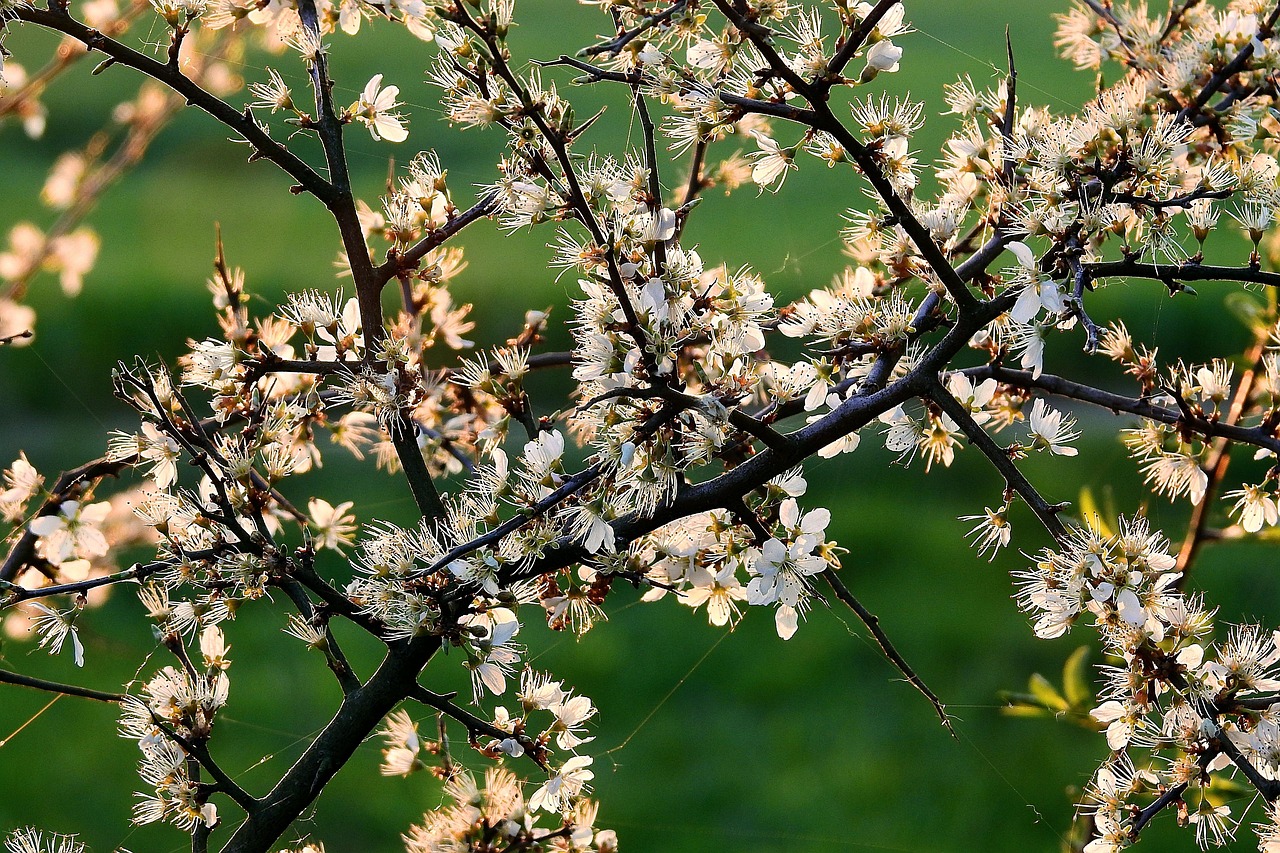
[(357, 716), (1074, 300), (199, 750), (577, 199), (1000, 460), (741, 104), (825, 120), (1176, 14), (852, 43), (762, 37), (886, 646), (1170, 796), (242, 122), (1167, 797), (333, 655), (269, 362), (567, 489), (14, 594), (1010, 109), (655, 183), (334, 600), (693, 187), (1118, 403), (409, 258), (615, 45), (369, 282), (1180, 200), (64, 489), (425, 495), (1246, 703), (1268, 788), (1232, 68), (449, 446), (475, 725), (723, 491), (1174, 275), (7, 340), (7, 677), (1104, 12)]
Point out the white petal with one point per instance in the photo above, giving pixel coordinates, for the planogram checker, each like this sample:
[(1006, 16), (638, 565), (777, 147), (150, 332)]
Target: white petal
[(786, 620)]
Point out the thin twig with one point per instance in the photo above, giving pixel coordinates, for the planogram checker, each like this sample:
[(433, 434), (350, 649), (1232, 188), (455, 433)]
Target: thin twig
[(1176, 14), (886, 646), (242, 122), (615, 45), (477, 726), (7, 677), (333, 655), (1232, 68), (999, 458), (1117, 403), (853, 42), (1217, 463)]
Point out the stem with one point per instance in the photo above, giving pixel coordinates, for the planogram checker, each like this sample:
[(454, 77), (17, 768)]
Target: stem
[(886, 647), (359, 714), (999, 458), (242, 122), (7, 677), (1217, 463)]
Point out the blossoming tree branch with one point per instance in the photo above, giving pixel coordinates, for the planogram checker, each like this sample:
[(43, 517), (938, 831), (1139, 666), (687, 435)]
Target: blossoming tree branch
[(694, 435)]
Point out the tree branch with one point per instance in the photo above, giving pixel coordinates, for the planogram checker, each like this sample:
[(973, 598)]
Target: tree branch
[(615, 45), (242, 122), (359, 714), (886, 646), (63, 490), (7, 677), (475, 725), (1232, 68), (1117, 403), (999, 458)]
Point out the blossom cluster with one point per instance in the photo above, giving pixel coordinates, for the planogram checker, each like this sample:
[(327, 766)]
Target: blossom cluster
[(671, 467), (172, 717), (499, 815), (1196, 705)]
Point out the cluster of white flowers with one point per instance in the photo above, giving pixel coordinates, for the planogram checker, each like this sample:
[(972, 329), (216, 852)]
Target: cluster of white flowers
[(1175, 462), (177, 707), (497, 816), (675, 378), (29, 840), (1195, 706)]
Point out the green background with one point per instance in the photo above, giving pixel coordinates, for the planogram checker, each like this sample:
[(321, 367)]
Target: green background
[(703, 742)]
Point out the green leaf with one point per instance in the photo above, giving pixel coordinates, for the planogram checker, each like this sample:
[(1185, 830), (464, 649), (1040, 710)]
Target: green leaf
[(1075, 681), (1020, 705), (1046, 693), (1095, 518), (1091, 515)]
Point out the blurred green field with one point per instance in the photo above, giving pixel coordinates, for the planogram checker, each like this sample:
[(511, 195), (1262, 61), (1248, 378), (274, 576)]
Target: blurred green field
[(704, 743)]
